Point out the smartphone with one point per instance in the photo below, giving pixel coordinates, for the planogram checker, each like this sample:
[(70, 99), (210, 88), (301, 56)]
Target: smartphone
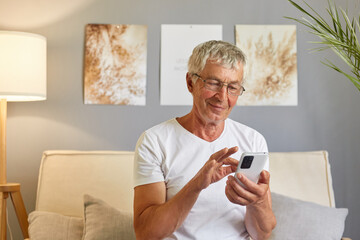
[(251, 164)]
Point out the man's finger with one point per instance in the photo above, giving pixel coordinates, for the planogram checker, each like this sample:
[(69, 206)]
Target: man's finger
[(231, 161), (264, 177), (226, 154), (216, 156)]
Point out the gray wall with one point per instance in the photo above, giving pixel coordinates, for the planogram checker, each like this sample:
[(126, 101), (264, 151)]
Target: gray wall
[(326, 118)]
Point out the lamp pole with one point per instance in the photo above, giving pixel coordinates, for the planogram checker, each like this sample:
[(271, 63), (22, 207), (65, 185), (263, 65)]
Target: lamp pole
[(3, 113), (4, 195), (6, 189)]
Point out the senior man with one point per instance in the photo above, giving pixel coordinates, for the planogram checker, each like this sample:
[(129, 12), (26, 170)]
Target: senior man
[(181, 189)]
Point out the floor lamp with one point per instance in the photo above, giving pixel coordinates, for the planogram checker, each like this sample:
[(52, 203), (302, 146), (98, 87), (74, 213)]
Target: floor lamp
[(22, 78)]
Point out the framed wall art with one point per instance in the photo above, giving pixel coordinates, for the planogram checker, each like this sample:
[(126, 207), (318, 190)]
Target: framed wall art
[(271, 72), (115, 64)]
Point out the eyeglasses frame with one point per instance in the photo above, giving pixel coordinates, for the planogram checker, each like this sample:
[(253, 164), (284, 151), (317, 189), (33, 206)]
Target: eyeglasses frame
[(222, 85)]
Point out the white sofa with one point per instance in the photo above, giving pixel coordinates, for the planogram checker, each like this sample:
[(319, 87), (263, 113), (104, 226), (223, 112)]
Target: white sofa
[(106, 180)]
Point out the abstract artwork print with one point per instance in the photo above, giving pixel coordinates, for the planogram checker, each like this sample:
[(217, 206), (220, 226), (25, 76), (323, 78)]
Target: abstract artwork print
[(271, 69), (115, 64)]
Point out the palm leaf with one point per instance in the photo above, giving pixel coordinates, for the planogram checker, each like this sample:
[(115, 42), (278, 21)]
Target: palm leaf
[(340, 35)]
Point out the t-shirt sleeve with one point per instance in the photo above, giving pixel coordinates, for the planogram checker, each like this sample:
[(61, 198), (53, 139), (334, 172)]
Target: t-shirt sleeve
[(147, 162)]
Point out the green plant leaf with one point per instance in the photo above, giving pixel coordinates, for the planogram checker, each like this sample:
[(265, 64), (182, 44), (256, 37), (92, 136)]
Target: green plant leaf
[(340, 35)]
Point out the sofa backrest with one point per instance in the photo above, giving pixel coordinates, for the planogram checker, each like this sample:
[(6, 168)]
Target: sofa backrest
[(65, 176), (302, 175)]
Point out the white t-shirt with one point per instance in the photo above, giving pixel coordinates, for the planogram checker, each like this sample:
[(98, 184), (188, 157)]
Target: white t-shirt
[(171, 154)]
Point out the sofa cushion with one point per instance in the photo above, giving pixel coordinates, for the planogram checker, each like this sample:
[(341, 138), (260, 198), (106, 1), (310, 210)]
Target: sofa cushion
[(54, 226), (298, 220), (65, 176), (309, 171), (104, 222)]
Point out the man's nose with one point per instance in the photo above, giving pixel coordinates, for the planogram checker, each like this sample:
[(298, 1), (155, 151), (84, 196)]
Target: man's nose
[(223, 92)]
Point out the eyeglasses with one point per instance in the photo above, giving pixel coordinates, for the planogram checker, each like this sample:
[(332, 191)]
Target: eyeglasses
[(215, 85)]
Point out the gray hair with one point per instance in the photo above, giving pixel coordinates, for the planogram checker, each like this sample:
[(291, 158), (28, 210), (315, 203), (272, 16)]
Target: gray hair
[(223, 53)]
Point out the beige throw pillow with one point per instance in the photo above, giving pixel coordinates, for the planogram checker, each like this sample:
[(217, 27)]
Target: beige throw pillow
[(104, 222), (54, 226)]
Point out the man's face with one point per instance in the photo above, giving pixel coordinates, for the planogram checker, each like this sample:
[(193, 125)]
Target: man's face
[(211, 106)]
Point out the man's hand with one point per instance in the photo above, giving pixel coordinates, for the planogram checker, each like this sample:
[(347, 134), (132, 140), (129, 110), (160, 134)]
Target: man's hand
[(259, 218), (253, 193), (214, 169)]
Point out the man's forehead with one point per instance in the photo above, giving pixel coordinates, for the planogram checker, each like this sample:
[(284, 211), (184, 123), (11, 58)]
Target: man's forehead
[(223, 63), (239, 69)]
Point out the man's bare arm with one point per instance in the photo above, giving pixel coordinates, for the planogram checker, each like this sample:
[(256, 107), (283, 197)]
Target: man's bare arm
[(156, 218), (153, 217)]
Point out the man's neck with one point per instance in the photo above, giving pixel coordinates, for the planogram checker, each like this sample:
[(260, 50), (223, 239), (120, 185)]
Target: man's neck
[(209, 131)]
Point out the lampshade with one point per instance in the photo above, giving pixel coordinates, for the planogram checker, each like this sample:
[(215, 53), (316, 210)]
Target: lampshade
[(22, 66)]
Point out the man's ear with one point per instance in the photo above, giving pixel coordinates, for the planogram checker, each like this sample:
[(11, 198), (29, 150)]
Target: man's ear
[(189, 82)]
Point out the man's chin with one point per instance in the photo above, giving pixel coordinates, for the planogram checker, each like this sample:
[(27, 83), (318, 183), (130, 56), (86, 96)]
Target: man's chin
[(216, 118)]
